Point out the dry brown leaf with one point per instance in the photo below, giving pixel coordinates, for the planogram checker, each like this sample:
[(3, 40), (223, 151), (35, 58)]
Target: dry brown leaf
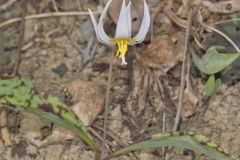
[(227, 6), (88, 99), (164, 52), (5, 135), (59, 135), (190, 99), (190, 102)]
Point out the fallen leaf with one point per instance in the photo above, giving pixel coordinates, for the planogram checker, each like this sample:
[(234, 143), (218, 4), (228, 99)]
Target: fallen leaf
[(190, 102), (164, 52), (4, 132), (88, 99), (59, 135)]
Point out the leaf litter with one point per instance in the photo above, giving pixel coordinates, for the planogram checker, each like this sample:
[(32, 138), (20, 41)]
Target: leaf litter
[(167, 51)]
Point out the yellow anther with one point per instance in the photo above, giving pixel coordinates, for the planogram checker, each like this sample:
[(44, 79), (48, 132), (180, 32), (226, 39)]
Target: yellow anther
[(122, 45)]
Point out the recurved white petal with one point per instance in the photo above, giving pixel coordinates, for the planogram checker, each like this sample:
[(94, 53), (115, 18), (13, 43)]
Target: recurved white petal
[(122, 24), (101, 32), (144, 26), (95, 25), (129, 17)]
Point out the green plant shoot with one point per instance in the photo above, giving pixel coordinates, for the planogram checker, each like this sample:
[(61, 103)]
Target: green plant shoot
[(18, 93), (213, 61)]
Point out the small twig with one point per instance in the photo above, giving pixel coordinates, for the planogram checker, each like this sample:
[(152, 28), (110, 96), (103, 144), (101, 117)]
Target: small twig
[(55, 6), (2, 53), (182, 83), (45, 15), (80, 4), (21, 38), (164, 130), (223, 35), (106, 110), (108, 143), (226, 21), (6, 5), (87, 53)]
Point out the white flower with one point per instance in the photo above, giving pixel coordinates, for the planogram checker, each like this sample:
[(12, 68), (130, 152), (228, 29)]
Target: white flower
[(123, 32)]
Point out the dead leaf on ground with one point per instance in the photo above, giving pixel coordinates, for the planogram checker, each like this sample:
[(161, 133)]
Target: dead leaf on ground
[(180, 17), (228, 6), (164, 52), (59, 135), (5, 134), (190, 102), (88, 99), (184, 8)]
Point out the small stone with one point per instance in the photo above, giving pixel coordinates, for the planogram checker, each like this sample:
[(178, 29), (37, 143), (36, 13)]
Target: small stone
[(61, 70)]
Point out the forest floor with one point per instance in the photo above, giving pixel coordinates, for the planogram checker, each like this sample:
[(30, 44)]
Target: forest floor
[(63, 52)]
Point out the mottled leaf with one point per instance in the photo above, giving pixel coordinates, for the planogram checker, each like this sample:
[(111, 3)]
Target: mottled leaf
[(19, 93), (213, 61), (197, 143)]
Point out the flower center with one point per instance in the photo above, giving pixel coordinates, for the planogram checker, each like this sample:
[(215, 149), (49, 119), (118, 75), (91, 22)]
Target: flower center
[(122, 45)]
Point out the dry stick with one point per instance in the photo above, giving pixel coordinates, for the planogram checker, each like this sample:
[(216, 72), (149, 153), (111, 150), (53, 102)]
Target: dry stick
[(6, 5), (55, 5), (106, 109), (226, 21), (21, 38), (223, 35), (182, 84), (45, 15), (164, 130)]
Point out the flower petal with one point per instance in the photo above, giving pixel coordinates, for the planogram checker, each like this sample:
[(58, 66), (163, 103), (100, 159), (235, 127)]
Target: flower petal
[(129, 17), (94, 25), (144, 26), (100, 33), (122, 24), (100, 28)]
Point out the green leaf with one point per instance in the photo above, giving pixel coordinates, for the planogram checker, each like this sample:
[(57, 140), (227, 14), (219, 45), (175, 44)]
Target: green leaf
[(197, 143), (213, 61), (19, 93), (210, 87)]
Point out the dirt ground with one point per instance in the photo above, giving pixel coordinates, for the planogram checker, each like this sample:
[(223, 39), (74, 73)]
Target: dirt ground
[(58, 50)]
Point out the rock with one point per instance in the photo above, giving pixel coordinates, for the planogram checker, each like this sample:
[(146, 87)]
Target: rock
[(30, 126), (88, 99)]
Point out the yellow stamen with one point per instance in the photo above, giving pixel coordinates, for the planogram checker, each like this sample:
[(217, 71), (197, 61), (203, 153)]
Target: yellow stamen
[(122, 45)]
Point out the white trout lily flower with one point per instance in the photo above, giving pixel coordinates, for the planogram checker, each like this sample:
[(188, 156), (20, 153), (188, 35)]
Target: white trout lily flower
[(123, 32)]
